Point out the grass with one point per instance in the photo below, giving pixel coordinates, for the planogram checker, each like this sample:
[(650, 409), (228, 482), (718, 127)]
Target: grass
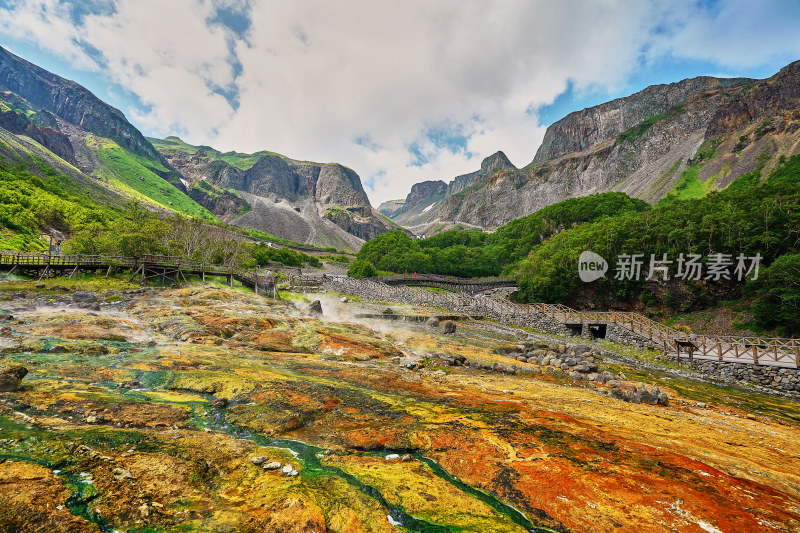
[(634, 132), (689, 185), (20, 241), (174, 145), (139, 177), (84, 282), (654, 357)]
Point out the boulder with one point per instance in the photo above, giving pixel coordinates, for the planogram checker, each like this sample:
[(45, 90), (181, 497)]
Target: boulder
[(434, 321), (663, 399), (259, 459), (449, 327), (562, 348), (315, 309), (84, 297), (646, 397), (580, 349), (272, 465), (219, 402), (11, 377)]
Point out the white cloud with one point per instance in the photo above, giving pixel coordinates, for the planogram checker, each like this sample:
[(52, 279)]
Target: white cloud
[(312, 77), (48, 24)]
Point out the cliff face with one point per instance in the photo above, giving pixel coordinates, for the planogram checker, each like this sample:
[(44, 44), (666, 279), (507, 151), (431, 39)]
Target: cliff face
[(321, 204), (704, 132), (585, 129)]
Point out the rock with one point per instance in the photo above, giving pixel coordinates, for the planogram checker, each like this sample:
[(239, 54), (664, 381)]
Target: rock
[(646, 397), (11, 377), (315, 309), (663, 399), (580, 349), (59, 288), (344, 300), (392, 456), (58, 349), (449, 327), (133, 384), (120, 474), (388, 311), (288, 470), (612, 383), (406, 458), (701, 405), (272, 465), (219, 402), (581, 368), (434, 321), (84, 297), (617, 394), (259, 459), (562, 348)]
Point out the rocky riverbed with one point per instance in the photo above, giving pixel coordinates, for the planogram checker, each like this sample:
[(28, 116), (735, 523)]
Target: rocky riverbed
[(209, 409)]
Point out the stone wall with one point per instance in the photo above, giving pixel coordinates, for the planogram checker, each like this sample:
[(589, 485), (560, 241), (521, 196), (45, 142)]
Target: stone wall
[(765, 378)]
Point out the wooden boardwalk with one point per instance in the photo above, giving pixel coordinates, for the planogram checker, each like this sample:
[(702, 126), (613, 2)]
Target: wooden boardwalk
[(147, 267), (460, 285)]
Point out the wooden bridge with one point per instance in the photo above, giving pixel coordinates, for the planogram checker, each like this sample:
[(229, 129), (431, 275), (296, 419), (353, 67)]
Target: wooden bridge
[(461, 285), (749, 350), (146, 267)]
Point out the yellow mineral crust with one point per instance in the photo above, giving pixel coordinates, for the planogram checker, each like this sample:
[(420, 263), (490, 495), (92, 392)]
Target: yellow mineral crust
[(151, 416)]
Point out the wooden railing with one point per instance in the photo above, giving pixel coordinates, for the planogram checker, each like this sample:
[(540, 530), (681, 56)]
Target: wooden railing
[(44, 261)]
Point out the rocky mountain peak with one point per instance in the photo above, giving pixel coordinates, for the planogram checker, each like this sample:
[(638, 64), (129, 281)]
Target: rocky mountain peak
[(496, 161), (71, 102)]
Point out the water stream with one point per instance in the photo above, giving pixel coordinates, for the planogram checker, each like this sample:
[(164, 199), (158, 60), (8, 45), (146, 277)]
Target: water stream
[(310, 456)]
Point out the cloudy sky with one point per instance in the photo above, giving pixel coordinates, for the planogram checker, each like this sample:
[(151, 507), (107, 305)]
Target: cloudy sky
[(400, 91)]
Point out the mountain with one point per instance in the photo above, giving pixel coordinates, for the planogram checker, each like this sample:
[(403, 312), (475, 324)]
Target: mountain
[(421, 209), (315, 203), (51, 124), (678, 140)]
